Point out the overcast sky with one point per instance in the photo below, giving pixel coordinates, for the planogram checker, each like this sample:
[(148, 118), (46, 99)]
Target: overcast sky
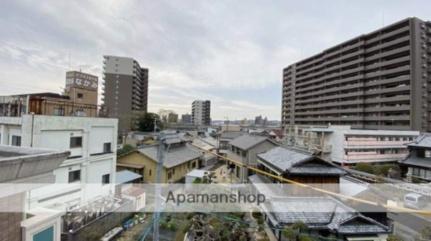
[(230, 52)]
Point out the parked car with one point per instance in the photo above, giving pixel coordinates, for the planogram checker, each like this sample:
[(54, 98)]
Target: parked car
[(415, 201)]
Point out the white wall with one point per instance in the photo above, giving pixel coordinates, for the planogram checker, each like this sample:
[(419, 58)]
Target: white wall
[(54, 132)]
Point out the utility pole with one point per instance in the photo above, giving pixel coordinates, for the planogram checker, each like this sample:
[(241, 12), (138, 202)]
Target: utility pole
[(160, 152)]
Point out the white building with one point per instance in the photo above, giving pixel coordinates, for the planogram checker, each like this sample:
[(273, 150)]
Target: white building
[(201, 112), (344, 145), (90, 169)]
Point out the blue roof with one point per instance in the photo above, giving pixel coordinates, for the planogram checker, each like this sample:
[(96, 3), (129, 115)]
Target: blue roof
[(126, 176)]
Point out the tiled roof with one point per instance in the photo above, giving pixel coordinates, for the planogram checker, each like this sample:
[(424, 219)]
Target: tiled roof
[(298, 162), (283, 158), (415, 161), (423, 140), (231, 134), (245, 142), (322, 212), (174, 157)]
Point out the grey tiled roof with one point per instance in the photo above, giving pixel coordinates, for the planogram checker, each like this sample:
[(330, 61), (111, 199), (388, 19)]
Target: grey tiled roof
[(175, 156), (246, 141), (324, 212), (283, 158), (415, 161), (297, 162), (423, 140), (231, 134)]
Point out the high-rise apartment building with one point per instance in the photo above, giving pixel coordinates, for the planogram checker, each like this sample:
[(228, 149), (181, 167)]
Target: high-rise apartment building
[(378, 80), (125, 90), (201, 112)]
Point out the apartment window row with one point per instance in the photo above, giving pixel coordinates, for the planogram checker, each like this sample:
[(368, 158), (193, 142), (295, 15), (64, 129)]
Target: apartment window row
[(75, 176), (376, 151), (354, 70), (76, 142), (379, 138), (381, 56), (368, 42)]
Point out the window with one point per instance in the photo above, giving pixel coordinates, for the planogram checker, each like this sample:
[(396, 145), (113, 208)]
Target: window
[(105, 179), (75, 176), (16, 140), (45, 235), (107, 147), (169, 175), (193, 164), (149, 173), (80, 95), (76, 141)]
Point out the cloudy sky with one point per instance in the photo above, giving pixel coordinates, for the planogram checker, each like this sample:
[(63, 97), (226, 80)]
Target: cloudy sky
[(231, 52)]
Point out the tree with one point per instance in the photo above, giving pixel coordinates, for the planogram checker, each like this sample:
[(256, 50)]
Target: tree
[(146, 122), (126, 149), (364, 167)]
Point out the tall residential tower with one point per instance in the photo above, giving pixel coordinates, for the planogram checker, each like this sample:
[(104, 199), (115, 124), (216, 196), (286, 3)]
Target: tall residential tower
[(125, 90), (201, 112), (378, 80)]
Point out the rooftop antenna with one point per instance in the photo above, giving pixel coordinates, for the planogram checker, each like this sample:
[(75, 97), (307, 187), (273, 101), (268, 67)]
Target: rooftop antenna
[(70, 67)]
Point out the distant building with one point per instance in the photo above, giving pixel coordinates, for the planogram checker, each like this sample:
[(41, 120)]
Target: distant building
[(91, 143), (24, 165), (201, 112), (258, 120), (347, 146), (417, 166), (125, 93), (168, 116), (378, 80), (186, 119), (45, 104), (81, 88)]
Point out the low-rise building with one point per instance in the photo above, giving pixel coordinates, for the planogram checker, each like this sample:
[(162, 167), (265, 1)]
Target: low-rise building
[(178, 160), (244, 150), (301, 167), (417, 166), (45, 104), (347, 146), (323, 215), (21, 170), (89, 169)]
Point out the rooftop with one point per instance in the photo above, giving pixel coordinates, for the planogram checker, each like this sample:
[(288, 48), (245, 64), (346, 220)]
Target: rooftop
[(20, 162), (126, 176), (423, 140), (323, 213), (298, 162), (246, 142), (175, 155)]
